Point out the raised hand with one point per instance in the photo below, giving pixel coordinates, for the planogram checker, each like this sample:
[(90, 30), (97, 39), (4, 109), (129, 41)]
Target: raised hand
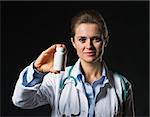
[(44, 63)]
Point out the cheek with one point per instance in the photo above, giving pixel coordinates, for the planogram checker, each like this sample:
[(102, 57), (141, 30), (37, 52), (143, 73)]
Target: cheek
[(100, 48), (78, 45), (78, 49)]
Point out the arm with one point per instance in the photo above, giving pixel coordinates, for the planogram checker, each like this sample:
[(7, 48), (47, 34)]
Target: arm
[(129, 103), (32, 88)]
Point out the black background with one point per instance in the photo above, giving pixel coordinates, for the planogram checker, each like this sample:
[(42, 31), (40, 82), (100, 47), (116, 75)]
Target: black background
[(28, 28)]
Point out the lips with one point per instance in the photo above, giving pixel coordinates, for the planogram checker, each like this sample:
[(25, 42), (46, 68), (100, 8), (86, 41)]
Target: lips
[(90, 53)]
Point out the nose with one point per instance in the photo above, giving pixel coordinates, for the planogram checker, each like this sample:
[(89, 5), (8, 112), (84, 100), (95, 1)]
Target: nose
[(89, 44)]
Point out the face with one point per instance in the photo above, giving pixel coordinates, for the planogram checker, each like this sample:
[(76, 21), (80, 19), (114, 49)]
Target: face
[(88, 43)]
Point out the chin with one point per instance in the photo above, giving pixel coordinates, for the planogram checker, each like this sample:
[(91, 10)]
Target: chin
[(90, 60)]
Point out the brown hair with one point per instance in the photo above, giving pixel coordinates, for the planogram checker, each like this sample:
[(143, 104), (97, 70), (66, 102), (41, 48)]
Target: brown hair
[(89, 16)]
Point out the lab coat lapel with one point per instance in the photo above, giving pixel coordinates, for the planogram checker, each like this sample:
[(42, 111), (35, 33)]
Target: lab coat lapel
[(75, 73)]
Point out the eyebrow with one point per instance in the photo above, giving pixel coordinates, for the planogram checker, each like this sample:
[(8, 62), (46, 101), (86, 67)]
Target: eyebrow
[(86, 36)]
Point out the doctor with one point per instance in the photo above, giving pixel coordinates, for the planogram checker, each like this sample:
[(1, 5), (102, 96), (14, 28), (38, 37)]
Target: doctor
[(86, 89)]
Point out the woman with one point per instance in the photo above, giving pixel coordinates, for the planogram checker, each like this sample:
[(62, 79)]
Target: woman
[(86, 89)]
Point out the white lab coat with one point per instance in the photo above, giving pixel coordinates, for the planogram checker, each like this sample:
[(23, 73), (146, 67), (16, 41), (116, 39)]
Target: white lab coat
[(71, 100)]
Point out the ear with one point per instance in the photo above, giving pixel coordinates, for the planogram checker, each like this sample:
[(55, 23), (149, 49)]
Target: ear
[(72, 41), (106, 42)]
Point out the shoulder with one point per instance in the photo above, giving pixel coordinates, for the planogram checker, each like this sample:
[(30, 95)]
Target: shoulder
[(125, 83), (122, 78)]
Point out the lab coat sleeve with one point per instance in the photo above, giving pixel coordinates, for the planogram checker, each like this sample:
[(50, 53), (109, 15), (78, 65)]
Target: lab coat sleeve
[(32, 90), (129, 109)]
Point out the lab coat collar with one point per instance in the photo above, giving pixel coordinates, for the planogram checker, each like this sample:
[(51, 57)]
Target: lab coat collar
[(76, 72), (109, 75)]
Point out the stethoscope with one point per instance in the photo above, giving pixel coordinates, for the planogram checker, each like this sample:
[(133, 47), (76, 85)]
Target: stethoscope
[(74, 81), (67, 86), (69, 77)]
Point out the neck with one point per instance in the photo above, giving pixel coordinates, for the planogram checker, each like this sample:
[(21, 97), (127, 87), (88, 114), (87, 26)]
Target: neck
[(91, 71)]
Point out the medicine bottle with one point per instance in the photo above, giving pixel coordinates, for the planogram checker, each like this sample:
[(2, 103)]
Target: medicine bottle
[(59, 59)]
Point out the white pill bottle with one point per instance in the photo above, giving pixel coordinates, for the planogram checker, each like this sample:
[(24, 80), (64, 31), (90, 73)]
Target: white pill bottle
[(59, 59)]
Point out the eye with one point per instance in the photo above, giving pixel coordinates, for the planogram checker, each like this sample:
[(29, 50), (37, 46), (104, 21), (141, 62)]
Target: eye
[(97, 39), (82, 39)]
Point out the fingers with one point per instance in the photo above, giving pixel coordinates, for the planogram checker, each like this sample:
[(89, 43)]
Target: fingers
[(52, 48), (54, 71), (45, 57), (45, 61)]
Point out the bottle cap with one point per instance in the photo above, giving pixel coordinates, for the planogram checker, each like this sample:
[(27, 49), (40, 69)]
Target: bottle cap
[(60, 49)]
